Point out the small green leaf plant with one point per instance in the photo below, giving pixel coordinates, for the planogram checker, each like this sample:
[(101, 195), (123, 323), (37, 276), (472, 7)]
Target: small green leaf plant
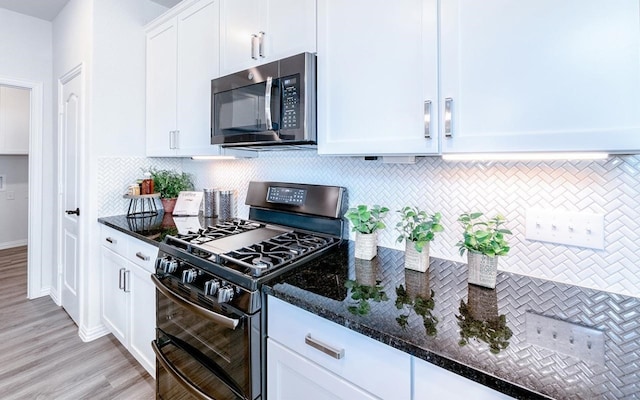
[(483, 235), (170, 183), (417, 226), (363, 293), (367, 220)]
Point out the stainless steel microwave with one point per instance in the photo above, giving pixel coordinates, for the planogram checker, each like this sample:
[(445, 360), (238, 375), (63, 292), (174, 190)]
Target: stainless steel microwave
[(271, 104)]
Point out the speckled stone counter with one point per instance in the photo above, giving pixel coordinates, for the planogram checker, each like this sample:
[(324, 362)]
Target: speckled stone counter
[(153, 229), (476, 332)]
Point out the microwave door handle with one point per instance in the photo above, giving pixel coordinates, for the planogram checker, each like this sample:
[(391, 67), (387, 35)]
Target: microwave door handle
[(267, 103)]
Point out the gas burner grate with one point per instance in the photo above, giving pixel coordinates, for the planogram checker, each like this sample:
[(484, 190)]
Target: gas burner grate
[(218, 231), (277, 251)]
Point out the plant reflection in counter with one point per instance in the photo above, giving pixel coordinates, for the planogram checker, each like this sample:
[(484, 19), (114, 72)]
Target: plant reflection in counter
[(362, 294), (479, 320), (421, 305)]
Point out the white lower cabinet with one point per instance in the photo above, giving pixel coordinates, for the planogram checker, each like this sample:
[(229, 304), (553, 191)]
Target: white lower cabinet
[(292, 376), (310, 356), (128, 295), (433, 382)]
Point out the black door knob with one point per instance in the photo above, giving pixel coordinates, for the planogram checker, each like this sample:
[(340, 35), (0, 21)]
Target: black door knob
[(76, 212)]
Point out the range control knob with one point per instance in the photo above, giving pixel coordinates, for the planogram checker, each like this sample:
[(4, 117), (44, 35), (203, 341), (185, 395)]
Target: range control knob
[(225, 294), (166, 265), (211, 287), (189, 275)]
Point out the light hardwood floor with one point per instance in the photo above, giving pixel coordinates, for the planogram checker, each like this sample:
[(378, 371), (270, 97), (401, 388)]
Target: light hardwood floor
[(42, 357)]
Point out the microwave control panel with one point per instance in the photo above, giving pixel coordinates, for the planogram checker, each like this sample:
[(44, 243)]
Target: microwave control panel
[(290, 102)]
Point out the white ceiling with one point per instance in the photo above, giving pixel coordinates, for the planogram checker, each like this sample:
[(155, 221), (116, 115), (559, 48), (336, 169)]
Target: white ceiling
[(48, 9)]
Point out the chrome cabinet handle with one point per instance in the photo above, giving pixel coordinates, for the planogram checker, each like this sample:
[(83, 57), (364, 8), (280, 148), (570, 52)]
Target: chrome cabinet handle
[(448, 111), (172, 139), (120, 275), (267, 103), (427, 119), (111, 240), (254, 39), (176, 139), (141, 256), (261, 44), (326, 349), (126, 286)]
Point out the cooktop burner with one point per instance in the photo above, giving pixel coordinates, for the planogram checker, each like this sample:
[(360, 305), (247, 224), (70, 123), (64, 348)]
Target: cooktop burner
[(276, 251), (219, 231)]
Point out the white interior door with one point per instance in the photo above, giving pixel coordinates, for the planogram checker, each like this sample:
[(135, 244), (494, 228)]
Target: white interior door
[(71, 111)]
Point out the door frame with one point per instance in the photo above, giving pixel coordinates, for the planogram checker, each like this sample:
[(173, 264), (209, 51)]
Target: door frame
[(35, 286), (76, 71)]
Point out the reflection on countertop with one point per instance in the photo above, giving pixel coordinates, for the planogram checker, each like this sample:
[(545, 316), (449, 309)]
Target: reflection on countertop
[(474, 331), (153, 229)]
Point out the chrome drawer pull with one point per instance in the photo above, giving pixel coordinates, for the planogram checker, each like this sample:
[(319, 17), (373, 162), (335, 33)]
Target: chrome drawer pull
[(111, 240), (427, 119), (142, 256), (448, 117), (337, 354)]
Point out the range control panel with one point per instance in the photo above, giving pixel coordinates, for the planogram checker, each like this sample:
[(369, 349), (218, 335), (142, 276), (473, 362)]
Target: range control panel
[(285, 195)]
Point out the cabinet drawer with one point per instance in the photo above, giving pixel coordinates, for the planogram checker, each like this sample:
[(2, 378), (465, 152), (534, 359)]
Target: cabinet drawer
[(142, 254), (367, 363), (113, 240)]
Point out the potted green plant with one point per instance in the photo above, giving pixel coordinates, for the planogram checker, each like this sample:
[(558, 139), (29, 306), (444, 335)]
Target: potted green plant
[(484, 240), (169, 184), (366, 223), (417, 229)]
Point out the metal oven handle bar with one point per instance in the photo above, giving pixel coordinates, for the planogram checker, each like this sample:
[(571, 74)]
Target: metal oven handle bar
[(225, 321), (183, 380)]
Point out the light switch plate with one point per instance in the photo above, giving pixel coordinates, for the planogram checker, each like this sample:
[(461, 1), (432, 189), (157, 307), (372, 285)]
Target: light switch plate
[(582, 229), (565, 337)]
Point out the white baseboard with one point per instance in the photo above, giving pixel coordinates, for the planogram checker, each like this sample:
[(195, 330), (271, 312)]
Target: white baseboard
[(89, 334), (45, 291), (54, 296), (12, 244)]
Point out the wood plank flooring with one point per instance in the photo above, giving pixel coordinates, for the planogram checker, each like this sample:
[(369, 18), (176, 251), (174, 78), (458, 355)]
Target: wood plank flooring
[(42, 357)]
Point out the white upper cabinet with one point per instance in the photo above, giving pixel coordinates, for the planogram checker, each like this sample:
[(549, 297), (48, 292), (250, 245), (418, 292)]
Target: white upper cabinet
[(377, 77), (254, 32), (540, 75), (15, 111), (182, 58)]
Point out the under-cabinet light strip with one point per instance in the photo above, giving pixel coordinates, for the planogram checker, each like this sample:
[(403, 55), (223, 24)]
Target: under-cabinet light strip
[(524, 156), (213, 158)]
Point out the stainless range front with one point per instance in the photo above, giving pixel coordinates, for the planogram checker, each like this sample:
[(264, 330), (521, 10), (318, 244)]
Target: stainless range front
[(209, 342)]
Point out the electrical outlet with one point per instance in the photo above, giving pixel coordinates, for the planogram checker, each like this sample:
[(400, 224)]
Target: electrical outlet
[(582, 229), (565, 337), (11, 195)]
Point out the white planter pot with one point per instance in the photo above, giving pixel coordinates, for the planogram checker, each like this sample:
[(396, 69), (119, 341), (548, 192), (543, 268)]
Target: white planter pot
[(482, 269), (366, 245), (414, 260)]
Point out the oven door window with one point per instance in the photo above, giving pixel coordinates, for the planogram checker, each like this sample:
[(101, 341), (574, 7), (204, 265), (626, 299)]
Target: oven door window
[(249, 113), (208, 346)]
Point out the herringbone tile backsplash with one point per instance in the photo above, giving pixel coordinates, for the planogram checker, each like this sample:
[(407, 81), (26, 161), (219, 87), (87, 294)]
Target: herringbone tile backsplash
[(610, 186)]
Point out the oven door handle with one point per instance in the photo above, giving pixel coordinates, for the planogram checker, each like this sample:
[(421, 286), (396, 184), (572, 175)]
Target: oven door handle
[(225, 321), (183, 380)]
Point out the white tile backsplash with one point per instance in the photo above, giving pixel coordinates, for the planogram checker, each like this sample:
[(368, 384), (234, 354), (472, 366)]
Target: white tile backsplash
[(609, 186)]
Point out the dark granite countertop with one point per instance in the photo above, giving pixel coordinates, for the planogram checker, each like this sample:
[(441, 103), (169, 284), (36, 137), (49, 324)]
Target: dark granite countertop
[(476, 332), (153, 229)]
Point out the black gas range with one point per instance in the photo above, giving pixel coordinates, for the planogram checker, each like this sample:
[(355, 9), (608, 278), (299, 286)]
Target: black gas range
[(209, 330)]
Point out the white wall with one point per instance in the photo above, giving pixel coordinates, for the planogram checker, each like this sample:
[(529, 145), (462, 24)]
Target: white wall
[(107, 38), (26, 48), (14, 212)]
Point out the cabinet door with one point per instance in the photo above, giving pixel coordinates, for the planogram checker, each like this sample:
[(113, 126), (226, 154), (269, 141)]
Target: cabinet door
[(377, 66), (289, 28), (432, 382), (541, 75), (291, 376), (115, 301), (15, 111), (198, 49), (143, 317), (239, 21), (162, 64)]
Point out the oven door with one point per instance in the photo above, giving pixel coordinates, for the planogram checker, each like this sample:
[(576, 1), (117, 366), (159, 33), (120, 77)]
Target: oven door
[(202, 353)]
